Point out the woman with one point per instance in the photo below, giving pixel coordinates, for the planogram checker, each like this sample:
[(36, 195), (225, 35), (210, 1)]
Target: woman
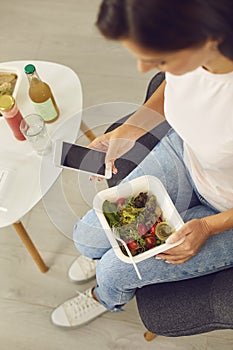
[(192, 42)]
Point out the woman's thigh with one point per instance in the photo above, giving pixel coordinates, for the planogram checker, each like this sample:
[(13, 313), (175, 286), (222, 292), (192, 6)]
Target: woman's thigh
[(165, 162), (121, 279)]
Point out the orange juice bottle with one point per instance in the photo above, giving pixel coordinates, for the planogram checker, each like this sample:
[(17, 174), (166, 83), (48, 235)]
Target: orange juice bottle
[(41, 95)]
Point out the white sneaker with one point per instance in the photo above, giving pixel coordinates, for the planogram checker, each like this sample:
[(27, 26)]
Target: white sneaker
[(77, 311), (82, 269)]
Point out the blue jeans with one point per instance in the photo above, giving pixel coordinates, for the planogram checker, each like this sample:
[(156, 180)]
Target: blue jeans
[(117, 281)]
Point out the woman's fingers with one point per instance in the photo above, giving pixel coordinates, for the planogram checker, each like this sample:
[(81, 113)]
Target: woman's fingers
[(195, 236), (176, 262), (118, 147), (176, 236), (114, 147), (114, 168), (174, 259)]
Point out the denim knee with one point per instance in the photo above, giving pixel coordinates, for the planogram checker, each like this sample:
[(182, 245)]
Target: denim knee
[(89, 237)]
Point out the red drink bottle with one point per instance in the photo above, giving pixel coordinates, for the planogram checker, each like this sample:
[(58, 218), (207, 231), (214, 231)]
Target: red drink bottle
[(12, 115)]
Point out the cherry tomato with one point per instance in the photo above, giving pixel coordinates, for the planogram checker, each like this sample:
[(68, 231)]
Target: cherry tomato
[(153, 229), (150, 242), (133, 245)]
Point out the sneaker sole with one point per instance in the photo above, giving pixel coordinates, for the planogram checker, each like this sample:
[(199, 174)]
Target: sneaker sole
[(82, 281), (78, 326)]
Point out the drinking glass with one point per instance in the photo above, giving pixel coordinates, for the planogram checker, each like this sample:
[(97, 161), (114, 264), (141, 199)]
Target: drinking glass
[(34, 129)]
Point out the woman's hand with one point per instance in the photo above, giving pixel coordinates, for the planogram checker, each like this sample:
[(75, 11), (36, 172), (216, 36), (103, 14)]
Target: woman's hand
[(196, 232), (115, 144), (119, 141)]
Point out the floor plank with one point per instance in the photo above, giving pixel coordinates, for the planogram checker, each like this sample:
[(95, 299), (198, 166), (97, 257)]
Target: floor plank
[(39, 333)]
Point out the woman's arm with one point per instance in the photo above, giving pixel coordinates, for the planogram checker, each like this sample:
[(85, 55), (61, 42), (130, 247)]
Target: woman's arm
[(146, 118), (156, 101), (219, 222), (119, 141)]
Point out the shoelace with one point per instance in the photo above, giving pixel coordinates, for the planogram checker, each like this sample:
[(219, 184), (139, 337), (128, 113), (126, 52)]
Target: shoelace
[(87, 265), (80, 304)]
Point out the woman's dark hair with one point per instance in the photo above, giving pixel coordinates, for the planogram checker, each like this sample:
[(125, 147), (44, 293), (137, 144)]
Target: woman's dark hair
[(169, 25)]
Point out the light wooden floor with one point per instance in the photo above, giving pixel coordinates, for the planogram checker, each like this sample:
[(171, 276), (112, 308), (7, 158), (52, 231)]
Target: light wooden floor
[(63, 31)]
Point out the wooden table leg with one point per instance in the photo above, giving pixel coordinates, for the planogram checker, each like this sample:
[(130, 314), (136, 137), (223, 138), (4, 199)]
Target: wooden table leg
[(149, 336), (85, 129), (30, 246)]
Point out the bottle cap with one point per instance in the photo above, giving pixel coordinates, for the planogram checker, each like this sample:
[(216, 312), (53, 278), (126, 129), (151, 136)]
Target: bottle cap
[(29, 69), (6, 102)]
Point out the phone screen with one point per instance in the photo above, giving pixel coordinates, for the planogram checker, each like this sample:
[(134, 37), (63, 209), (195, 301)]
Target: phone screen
[(82, 158)]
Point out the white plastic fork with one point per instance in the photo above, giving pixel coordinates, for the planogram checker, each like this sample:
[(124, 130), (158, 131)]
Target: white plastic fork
[(117, 236)]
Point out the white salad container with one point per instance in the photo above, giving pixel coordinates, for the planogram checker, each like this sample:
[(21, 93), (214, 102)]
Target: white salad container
[(147, 183)]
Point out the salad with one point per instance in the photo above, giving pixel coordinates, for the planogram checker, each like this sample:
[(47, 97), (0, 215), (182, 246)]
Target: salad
[(139, 221), (7, 83)]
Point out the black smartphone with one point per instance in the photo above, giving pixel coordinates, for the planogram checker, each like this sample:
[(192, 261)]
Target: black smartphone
[(76, 157)]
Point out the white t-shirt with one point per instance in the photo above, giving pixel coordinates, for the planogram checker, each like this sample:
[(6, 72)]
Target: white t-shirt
[(199, 106)]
